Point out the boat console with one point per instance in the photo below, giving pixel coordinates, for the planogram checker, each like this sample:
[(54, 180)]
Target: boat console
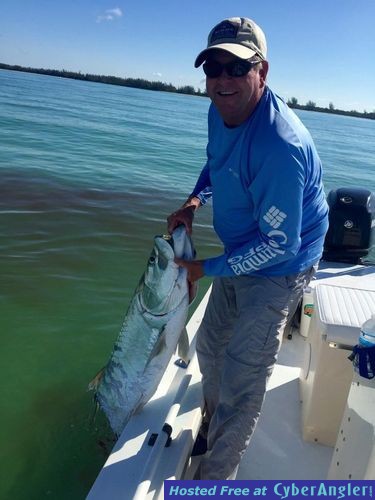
[(327, 374)]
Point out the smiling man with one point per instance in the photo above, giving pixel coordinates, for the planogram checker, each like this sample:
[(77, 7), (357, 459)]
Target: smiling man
[(265, 179), (235, 98)]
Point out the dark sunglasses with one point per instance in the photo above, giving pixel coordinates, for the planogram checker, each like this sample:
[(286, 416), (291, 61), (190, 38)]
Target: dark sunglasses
[(237, 68)]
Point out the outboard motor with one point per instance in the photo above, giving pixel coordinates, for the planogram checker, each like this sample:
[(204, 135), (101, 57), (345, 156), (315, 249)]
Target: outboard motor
[(351, 230)]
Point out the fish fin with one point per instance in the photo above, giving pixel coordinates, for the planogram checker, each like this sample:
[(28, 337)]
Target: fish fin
[(183, 346), (159, 347), (93, 385)]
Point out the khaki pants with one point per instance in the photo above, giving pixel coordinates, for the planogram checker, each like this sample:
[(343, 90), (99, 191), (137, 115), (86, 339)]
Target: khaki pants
[(237, 346)]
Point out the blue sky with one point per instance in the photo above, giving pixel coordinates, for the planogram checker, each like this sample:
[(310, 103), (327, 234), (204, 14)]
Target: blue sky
[(321, 50)]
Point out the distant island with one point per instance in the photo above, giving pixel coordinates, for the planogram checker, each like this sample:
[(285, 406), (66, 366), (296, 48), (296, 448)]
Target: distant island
[(140, 83)]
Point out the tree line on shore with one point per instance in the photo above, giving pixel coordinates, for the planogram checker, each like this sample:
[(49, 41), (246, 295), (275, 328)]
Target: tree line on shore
[(311, 106), (138, 83), (141, 83)]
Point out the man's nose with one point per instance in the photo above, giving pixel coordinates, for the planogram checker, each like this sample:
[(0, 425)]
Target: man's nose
[(224, 74)]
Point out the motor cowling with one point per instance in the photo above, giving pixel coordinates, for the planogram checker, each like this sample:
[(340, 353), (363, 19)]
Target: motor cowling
[(351, 232)]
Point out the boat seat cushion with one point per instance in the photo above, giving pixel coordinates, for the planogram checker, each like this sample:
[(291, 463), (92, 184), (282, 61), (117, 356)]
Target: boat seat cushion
[(341, 311)]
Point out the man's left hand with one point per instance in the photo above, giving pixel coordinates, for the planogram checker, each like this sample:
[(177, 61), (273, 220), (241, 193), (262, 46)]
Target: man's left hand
[(194, 268)]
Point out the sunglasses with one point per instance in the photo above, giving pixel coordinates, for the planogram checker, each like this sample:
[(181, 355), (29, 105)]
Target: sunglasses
[(237, 68)]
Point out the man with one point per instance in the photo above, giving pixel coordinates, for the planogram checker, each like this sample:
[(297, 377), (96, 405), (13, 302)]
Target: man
[(269, 210)]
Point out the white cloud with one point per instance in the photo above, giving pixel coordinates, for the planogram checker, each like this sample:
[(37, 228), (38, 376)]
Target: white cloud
[(116, 12), (157, 74), (110, 15)]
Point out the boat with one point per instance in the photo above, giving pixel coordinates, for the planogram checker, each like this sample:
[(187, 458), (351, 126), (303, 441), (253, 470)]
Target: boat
[(318, 418)]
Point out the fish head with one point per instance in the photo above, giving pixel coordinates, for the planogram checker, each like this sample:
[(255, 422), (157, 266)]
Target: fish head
[(184, 249), (160, 276)]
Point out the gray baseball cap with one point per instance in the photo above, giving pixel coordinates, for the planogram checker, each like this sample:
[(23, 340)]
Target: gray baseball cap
[(240, 36)]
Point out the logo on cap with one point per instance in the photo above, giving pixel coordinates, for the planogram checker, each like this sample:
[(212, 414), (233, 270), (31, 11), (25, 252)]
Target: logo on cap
[(224, 30)]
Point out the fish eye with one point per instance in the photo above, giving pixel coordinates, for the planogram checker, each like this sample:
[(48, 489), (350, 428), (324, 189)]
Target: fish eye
[(152, 259)]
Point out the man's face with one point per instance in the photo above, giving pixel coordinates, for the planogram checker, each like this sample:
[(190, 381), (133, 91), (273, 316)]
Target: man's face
[(236, 97)]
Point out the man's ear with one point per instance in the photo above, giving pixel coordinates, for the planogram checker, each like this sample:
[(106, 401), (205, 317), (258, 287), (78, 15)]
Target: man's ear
[(263, 71)]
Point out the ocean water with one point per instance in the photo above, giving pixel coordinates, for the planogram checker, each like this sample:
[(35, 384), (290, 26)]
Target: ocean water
[(88, 175)]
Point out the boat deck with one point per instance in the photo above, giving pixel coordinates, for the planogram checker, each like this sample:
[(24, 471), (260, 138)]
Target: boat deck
[(277, 449)]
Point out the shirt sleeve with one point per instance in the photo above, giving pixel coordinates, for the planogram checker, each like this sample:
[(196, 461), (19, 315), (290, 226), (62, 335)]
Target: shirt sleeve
[(277, 195), (203, 189)]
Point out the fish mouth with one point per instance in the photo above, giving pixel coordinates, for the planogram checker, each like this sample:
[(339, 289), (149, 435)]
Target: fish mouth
[(165, 246), (168, 238)]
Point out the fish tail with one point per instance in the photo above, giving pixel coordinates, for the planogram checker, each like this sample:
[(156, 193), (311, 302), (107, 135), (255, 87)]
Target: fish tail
[(93, 385)]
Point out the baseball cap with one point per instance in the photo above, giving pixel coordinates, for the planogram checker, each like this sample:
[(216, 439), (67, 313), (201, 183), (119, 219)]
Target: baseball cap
[(240, 36)]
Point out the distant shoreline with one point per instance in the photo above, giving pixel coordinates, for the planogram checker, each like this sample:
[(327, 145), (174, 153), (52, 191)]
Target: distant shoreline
[(168, 87)]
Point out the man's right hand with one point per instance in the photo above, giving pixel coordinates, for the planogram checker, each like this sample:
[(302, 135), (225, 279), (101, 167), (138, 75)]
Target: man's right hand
[(185, 216)]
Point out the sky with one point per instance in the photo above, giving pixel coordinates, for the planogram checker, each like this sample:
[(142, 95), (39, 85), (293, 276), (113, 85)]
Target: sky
[(318, 50)]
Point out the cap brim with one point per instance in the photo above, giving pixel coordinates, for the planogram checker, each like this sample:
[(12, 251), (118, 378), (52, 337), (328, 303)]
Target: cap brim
[(233, 48)]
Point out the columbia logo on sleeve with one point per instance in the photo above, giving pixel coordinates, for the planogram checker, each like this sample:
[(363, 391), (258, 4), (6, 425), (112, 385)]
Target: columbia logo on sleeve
[(274, 217), (256, 257)]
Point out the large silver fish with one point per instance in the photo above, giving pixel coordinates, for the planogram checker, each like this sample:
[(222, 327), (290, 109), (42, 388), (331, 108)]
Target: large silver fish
[(153, 326)]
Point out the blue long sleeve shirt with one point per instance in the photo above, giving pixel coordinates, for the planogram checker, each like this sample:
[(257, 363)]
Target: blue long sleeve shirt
[(265, 179)]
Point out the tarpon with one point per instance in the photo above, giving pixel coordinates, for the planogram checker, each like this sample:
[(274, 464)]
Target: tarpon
[(153, 327)]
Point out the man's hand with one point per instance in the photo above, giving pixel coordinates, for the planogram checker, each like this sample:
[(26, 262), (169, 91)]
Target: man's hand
[(183, 216), (194, 268)]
